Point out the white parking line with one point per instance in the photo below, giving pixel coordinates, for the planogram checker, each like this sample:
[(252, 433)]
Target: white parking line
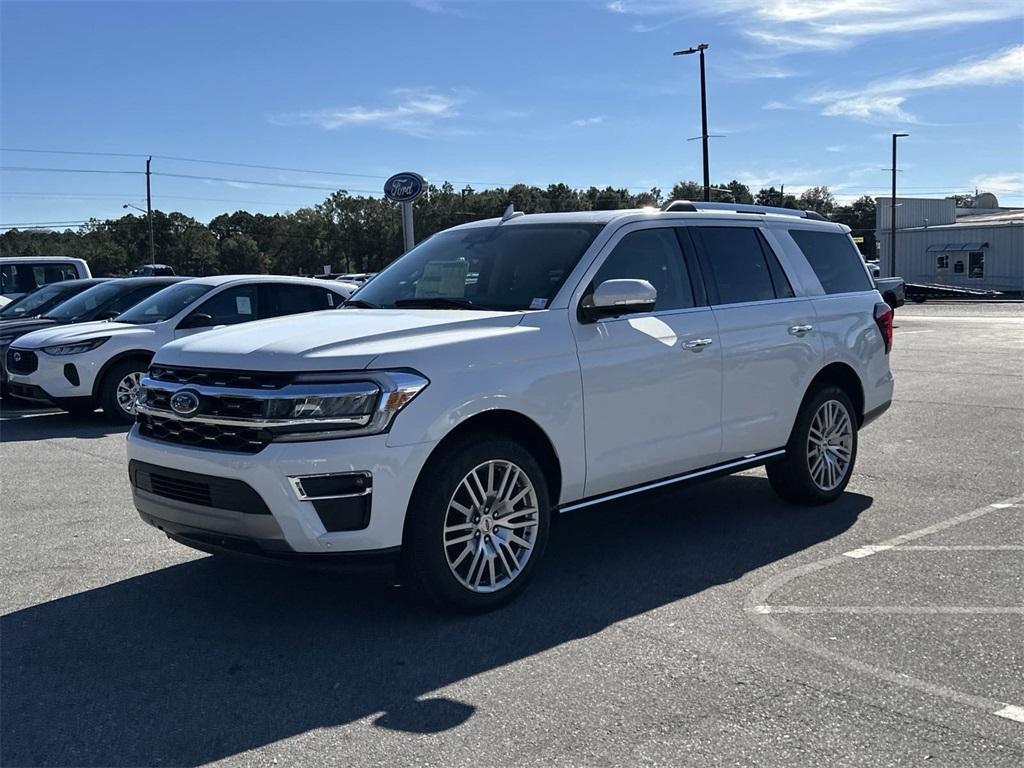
[(872, 549), (910, 610), (759, 608), (1011, 712)]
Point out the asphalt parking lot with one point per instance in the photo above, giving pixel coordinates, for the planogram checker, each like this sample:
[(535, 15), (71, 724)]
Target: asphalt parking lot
[(713, 625)]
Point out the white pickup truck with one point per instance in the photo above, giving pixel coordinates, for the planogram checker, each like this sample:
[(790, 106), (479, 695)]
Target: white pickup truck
[(509, 370)]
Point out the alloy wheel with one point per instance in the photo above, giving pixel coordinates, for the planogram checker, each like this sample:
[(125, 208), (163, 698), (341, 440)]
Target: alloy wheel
[(491, 526), (830, 445), (128, 391)]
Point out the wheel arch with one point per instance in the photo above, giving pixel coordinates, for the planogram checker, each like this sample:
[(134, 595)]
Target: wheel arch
[(841, 375), (514, 425), (120, 357)]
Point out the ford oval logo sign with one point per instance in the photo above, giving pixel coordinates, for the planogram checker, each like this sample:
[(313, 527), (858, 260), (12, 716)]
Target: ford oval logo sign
[(404, 187), (185, 402)]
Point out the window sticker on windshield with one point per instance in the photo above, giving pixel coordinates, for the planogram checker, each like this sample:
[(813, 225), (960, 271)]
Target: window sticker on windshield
[(443, 278), (538, 303), (243, 305)]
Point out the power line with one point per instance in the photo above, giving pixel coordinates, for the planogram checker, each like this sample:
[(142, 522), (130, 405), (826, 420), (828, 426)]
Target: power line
[(66, 170)]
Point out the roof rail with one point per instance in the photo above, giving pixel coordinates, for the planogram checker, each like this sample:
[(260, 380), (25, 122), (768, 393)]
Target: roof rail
[(692, 206)]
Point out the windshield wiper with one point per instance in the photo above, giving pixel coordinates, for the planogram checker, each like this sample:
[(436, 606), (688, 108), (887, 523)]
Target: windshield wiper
[(360, 303), (438, 302)]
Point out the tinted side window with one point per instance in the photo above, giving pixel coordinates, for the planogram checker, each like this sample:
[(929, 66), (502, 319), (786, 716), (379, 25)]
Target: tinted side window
[(287, 299), (130, 298), (652, 255), (235, 305), (738, 264), (834, 259)]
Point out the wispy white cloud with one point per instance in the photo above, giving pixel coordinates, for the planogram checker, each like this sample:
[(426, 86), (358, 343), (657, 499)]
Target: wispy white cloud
[(773, 105), (417, 112), (999, 182), (583, 121), (883, 100), (825, 24), (835, 148)]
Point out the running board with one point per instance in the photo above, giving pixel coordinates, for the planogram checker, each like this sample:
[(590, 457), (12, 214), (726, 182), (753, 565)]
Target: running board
[(747, 462)]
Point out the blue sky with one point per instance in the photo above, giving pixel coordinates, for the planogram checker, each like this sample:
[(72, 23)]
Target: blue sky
[(805, 91)]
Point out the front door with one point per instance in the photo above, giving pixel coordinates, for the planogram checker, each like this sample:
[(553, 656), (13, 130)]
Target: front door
[(652, 382)]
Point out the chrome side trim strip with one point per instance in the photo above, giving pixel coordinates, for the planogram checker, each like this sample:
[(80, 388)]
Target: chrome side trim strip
[(751, 459)]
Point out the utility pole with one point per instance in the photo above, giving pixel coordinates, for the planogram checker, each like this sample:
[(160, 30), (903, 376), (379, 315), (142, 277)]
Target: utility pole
[(782, 195), (703, 113), (149, 213), (892, 223)]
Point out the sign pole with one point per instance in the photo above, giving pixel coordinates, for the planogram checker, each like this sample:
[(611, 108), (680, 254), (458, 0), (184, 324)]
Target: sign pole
[(407, 226), (403, 188)]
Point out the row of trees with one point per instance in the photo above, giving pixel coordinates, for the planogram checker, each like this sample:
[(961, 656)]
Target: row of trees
[(362, 234)]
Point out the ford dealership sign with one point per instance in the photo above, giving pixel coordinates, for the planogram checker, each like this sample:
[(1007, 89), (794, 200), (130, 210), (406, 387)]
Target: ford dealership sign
[(404, 187)]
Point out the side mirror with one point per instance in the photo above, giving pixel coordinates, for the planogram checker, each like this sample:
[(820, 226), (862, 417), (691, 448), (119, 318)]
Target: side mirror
[(618, 297), (196, 320)]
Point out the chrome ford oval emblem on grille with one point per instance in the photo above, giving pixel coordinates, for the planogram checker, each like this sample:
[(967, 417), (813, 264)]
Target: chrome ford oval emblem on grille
[(185, 402)]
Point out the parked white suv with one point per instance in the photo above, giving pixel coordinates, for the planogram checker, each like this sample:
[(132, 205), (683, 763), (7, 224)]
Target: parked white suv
[(80, 367), (507, 370)]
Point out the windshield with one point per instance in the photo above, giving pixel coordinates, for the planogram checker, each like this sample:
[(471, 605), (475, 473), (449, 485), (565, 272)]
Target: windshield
[(38, 301), (164, 304), (85, 303), (504, 267)]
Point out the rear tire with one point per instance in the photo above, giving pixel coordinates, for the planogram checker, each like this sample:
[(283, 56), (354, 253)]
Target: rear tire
[(821, 451), (118, 390), (473, 545)]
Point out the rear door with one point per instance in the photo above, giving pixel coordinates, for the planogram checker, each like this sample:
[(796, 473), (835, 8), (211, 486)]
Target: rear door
[(652, 382), (280, 299), (770, 349)]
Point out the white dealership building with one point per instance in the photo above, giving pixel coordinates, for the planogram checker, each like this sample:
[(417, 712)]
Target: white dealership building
[(936, 242)]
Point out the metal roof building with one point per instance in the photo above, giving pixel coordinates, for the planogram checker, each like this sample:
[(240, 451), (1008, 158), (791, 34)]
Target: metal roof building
[(936, 242)]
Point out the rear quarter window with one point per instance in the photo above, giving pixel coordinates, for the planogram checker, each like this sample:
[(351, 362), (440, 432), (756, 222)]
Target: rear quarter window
[(834, 259)]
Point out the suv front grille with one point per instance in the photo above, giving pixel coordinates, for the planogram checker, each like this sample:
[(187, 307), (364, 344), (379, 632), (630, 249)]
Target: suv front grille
[(214, 436), (215, 378), (21, 361)]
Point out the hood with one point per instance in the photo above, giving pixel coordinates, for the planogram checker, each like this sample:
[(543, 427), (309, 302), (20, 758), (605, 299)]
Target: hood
[(12, 329), (341, 339), (67, 334)]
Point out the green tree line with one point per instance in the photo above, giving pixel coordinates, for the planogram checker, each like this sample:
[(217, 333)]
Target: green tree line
[(362, 234)]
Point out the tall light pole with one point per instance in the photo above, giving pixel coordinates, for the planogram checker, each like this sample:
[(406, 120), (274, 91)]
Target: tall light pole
[(703, 113), (149, 213), (892, 223)]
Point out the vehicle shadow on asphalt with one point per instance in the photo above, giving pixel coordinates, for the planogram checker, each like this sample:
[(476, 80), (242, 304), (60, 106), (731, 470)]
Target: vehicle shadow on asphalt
[(208, 659), (20, 426)]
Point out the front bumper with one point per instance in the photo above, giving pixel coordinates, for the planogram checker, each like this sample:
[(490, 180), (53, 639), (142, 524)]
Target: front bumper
[(293, 526), (62, 377)]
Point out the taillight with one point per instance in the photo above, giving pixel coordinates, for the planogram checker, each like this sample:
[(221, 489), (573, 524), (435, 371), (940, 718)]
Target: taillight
[(883, 319)]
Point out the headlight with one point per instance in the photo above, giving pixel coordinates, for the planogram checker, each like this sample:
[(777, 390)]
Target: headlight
[(344, 406), (314, 406), (76, 348)]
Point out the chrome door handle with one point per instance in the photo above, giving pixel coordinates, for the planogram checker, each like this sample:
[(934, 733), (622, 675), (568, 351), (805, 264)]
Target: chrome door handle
[(696, 345), (800, 330)]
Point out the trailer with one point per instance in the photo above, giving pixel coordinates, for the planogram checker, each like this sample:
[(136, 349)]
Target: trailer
[(921, 292)]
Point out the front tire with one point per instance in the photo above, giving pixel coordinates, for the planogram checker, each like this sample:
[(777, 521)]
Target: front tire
[(821, 451), (477, 525), (119, 388)]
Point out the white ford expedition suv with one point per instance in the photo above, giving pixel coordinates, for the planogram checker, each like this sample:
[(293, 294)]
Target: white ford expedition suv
[(505, 371)]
